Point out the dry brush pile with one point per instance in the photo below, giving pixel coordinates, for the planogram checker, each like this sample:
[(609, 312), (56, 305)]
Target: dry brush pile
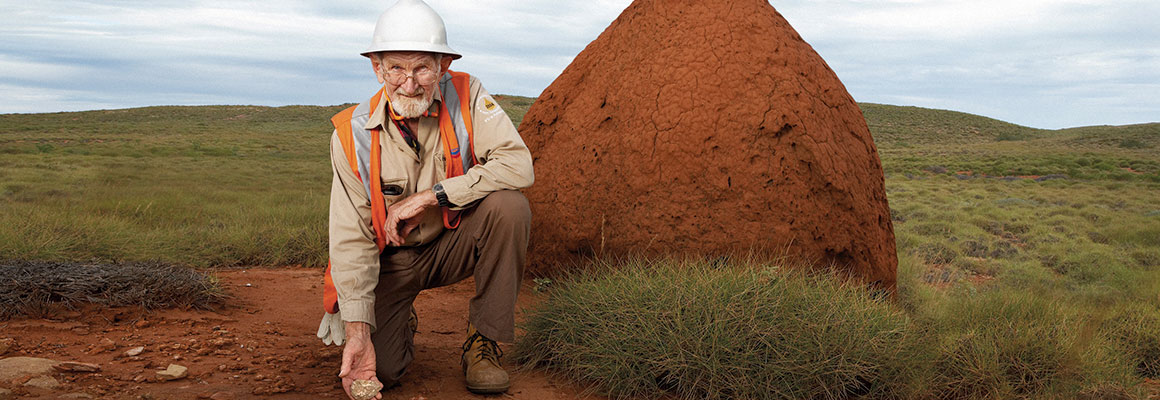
[(36, 288)]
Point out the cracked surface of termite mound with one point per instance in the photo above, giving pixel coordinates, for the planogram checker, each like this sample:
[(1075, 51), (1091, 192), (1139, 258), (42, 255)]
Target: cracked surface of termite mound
[(705, 128)]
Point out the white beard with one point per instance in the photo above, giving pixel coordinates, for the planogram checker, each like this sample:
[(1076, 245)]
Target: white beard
[(410, 107)]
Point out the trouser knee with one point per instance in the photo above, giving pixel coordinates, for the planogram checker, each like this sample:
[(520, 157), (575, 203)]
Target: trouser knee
[(508, 207), (390, 368)]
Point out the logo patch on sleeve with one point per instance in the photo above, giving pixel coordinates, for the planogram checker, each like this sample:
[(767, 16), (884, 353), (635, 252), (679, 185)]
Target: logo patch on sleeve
[(489, 107)]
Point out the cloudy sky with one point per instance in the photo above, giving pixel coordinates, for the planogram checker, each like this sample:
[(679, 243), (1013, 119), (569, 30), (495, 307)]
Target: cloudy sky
[(1041, 63)]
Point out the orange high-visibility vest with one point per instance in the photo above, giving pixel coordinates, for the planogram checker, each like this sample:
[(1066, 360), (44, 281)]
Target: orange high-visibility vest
[(363, 153)]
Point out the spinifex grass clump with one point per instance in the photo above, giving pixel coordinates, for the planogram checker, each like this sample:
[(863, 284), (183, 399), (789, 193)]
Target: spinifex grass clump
[(1136, 329), (36, 288), (1005, 344), (699, 330)]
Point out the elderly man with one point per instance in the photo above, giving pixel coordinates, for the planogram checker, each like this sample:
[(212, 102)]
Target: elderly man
[(424, 195)]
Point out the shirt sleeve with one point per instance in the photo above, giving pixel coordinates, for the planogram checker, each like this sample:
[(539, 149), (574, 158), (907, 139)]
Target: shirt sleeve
[(502, 159), (354, 256)]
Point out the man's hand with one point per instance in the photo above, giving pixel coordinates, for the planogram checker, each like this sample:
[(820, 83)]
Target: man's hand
[(403, 216), (358, 356)]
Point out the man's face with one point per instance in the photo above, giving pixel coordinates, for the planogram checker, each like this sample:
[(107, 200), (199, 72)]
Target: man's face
[(411, 79)]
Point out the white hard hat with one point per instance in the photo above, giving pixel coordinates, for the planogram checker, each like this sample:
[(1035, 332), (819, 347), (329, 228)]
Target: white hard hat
[(410, 25)]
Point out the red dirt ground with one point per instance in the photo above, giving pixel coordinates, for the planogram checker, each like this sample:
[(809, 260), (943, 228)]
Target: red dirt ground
[(262, 346)]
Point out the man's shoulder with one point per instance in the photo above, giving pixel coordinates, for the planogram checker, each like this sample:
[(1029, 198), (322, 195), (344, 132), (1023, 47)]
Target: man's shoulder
[(363, 107), (347, 114)]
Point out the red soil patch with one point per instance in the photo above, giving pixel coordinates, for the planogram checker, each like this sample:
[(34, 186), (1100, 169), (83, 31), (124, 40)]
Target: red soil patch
[(263, 345), (705, 127)]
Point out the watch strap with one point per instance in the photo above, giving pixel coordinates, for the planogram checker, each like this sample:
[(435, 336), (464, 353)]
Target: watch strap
[(441, 196)]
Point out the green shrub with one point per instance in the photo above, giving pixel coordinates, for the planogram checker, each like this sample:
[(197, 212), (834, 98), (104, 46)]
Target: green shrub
[(699, 331)]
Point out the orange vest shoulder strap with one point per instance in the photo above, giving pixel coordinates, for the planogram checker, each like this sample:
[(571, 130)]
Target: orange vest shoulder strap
[(462, 82), (341, 122)]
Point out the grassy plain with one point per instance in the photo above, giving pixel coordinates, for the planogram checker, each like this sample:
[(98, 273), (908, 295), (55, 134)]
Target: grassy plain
[(1030, 259), (1034, 228), (202, 186)]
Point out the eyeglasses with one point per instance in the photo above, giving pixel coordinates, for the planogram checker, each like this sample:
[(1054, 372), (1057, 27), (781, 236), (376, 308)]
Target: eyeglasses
[(423, 76)]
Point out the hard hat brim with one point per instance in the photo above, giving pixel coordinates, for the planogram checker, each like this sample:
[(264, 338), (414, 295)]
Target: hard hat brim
[(412, 46)]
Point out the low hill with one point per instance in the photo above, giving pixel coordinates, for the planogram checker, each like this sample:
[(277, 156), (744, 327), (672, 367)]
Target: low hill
[(902, 126), (907, 125)]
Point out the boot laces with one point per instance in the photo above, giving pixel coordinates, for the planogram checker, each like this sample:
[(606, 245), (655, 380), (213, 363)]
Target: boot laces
[(488, 350)]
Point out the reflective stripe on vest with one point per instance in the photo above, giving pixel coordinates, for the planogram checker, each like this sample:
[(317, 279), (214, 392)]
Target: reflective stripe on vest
[(364, 155), (459, 106)]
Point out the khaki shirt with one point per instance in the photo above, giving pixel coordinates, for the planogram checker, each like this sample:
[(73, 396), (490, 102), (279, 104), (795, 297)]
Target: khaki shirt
[(502, 162)]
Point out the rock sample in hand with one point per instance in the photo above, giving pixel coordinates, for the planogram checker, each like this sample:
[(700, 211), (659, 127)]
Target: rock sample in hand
[(362, 389), (706, 127)]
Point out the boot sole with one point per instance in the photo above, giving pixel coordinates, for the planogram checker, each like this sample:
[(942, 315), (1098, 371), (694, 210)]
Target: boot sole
[(494, 389)]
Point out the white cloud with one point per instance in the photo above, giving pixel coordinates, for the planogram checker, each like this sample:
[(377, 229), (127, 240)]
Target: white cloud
[(18, 68), (33, 99), (1045, 63)]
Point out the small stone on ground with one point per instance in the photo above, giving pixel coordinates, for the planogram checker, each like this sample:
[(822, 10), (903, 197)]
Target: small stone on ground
[(73, 366), (136, 351), (173, 372), (16, 367), (43, 382)]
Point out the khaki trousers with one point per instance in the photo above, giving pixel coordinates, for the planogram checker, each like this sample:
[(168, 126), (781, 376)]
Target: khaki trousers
[(490, 244)]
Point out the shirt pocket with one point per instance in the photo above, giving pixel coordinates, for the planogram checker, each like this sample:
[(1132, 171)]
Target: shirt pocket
[(395, 189)]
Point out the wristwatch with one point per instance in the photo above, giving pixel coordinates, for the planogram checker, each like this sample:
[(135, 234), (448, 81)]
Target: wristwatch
[(441, 196)]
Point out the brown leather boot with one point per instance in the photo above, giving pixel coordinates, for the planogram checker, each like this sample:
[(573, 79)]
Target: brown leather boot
[(481, 364)]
